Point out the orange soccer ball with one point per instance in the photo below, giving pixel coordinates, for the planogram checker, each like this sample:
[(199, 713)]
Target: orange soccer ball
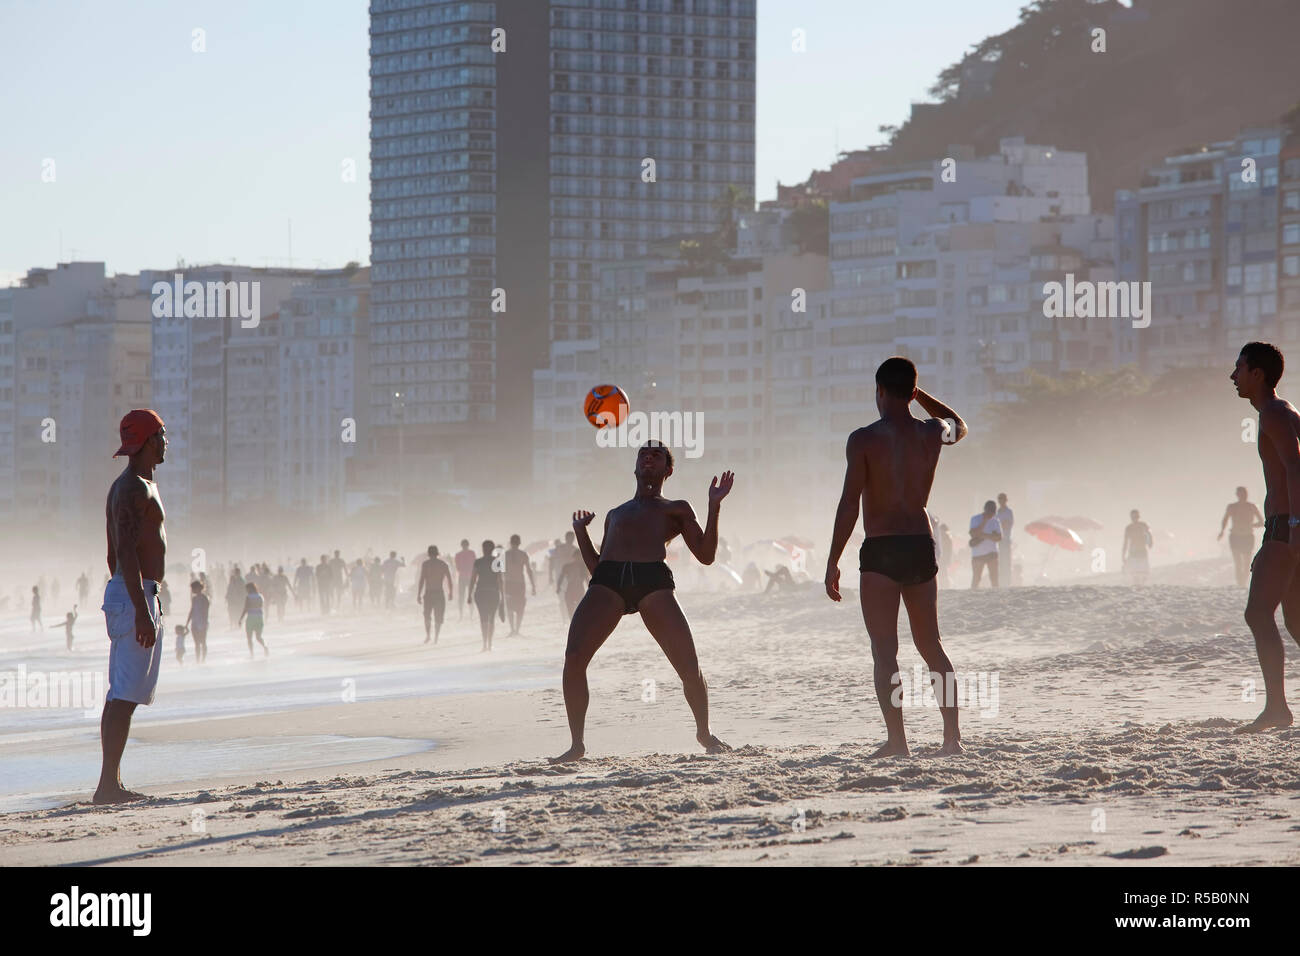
[(606, 405)]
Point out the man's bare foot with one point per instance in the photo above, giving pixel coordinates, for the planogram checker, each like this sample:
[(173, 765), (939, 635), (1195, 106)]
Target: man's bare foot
[(892, 749), (951, 747), (117, 795), (574, 753), (1267, 721), (711, 744)]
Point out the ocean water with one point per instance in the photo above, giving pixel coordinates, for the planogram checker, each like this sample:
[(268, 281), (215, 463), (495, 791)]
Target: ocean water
[(50, 702)]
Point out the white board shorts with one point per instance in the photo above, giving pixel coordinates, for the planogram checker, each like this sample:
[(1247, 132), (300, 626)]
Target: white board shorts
[(132, 669)]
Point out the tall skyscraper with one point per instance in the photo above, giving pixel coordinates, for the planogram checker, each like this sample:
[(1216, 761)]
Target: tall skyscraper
[(516, 146)]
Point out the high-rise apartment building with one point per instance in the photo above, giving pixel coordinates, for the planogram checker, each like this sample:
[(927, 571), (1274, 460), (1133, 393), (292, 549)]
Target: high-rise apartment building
[(516, 146)]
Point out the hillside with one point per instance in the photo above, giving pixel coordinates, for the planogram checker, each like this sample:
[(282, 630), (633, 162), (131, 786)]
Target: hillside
[(1175, 73)]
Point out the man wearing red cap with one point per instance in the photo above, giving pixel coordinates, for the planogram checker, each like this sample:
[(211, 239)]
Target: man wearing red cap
[(137, 549)]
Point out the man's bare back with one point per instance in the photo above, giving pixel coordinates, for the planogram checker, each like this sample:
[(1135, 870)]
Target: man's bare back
[(889, 470), (899, 458)]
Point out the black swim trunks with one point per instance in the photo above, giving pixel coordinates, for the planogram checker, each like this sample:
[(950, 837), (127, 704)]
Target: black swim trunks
[(905, 558), (633, 580), (1277, 528)]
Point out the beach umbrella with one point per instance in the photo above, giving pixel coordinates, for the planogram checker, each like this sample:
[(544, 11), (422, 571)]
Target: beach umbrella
[(1055, 534)]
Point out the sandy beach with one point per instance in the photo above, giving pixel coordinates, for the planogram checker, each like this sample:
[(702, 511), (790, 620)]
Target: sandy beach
[(1098, 729)]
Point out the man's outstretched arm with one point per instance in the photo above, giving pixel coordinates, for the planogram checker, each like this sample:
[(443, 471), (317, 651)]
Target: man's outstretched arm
[(937, 409), (703, 543), (846, 512)]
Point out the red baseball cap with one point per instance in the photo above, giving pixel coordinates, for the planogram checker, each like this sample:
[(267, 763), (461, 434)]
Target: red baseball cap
[(138, 426)]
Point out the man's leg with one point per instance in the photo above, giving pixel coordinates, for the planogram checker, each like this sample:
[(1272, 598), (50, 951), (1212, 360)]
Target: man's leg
[(975, 568), (879, 597), (993, 570), (597, 614), (923, 616), (428, 612), (667, 624), (114, 728), (1271, 576), (439, 608)]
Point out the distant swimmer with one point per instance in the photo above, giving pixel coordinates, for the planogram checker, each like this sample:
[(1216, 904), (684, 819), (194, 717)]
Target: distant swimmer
[(137, 553), (517, 563), (37, 623), (1245, 518), (434, 576), (629, 576), (1273, 578), (1133, 554), (464, 559), (485, 592), (891, 466)]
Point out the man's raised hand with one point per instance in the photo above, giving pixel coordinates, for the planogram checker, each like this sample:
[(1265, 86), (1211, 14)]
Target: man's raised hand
[(581, 519), (720, 489)]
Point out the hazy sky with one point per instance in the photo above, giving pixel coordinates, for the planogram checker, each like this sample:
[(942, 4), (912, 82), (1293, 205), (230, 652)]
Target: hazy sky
[(160, 152)]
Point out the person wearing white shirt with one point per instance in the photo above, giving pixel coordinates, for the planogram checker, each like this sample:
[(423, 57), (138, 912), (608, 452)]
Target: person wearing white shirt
[(985, 533), (1006, 518)]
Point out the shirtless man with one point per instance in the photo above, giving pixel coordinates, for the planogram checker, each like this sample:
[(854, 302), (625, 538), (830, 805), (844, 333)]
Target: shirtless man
[(137, 548), (629, 576), (434, 575), (891, 465), (1273, 578), (516, 562), (1241, 539)]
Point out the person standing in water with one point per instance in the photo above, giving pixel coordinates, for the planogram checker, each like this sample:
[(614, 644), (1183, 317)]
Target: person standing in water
[(890, 470), (1245, 518)]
